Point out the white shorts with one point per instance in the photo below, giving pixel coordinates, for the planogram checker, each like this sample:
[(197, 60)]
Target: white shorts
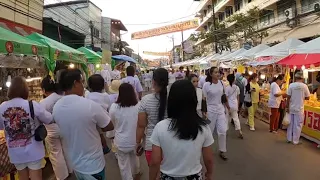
[(34, 165)]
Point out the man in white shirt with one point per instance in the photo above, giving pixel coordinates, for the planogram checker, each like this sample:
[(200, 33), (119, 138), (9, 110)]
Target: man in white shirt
[(202, 79), (297, 93), (135, 82), (78, 119)]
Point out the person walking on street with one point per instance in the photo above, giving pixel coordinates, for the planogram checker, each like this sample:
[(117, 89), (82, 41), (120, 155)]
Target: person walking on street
[(213, 92), (124, 114), (78, 119), (53, 139), (20, 119), (135, 82), (179, 141), (274, 102), (96, 85), (233, 93), (194, 80), (297, 93), (152, 109), (253, 89)]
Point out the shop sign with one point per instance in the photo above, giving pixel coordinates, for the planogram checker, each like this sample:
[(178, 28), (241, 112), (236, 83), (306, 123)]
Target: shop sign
[(181, 26), (157, 53), (311, 124)]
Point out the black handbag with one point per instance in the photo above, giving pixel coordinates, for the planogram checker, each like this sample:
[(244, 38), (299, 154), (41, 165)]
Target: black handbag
[(40, 133), (224, 96)]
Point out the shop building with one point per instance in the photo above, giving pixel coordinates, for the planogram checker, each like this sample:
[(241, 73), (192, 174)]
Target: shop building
[(281, 19), (21, 17), (82, 16)]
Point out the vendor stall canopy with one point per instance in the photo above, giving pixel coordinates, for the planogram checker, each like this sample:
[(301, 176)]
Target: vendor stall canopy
[(306, 55), (249, 54), (59, 51), (92, 57), (231, 56), (17, 51), (281, 49), (124, 58)]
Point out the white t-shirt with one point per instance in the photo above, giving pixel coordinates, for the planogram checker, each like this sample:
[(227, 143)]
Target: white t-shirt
[(48, 103), (113, 98), (232, 93), (199, 98), (100, 98), (213, 92), (135, 82), (106, 76), (78, 119), (172, 78), (125, 126), (180, 157), (298, 92), (15, 119), (180, 75), (202, 80), (115, 74), (274, 102)]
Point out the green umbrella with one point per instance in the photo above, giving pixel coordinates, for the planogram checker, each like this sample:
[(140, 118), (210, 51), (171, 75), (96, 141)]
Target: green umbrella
[(59, 51), (13, 43), (93, 57)]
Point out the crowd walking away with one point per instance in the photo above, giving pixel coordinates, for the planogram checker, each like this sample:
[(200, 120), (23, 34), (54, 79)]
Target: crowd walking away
[(172, 126)]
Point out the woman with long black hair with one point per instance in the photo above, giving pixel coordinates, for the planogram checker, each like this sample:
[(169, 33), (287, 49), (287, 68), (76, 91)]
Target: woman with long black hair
[(152, 110), (216, 101), (52, 94), (179, 141)]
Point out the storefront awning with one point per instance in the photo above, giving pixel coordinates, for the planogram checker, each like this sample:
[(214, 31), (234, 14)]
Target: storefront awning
[(17, 28)]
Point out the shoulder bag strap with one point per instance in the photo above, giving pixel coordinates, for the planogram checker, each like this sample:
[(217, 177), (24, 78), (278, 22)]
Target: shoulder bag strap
[(31, 109)]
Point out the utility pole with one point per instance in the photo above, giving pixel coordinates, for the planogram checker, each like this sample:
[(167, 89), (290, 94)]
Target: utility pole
[(91, 32), (215, 44), (182, 46)]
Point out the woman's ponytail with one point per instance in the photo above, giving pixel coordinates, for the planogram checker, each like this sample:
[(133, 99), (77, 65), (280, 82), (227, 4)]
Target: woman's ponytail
[(161, 78)]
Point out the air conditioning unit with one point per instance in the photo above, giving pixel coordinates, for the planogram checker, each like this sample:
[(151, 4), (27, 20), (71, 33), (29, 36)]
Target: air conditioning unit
[(316, 7), (288, 13)]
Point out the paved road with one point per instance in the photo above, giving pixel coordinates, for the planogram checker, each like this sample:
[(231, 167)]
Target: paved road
[(261, 155)]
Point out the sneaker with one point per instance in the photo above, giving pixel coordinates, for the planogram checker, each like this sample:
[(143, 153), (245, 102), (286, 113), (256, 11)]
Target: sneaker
[(223, 156), (252, 129), (299, 143), (275, 132), (289, 142), (240, 136)]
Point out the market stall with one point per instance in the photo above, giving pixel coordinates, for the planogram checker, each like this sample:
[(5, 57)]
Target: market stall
[(61, 54), (19, 56), (93, 60)]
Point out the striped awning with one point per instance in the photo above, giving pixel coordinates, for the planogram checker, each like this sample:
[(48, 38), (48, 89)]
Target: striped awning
[(18, 28)]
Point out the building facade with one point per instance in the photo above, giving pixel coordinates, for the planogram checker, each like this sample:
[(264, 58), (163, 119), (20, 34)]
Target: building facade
[(82, 16), (281, 19), (22, 17)]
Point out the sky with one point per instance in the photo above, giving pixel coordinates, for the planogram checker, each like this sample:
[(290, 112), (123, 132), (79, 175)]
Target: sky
[(138, 15)]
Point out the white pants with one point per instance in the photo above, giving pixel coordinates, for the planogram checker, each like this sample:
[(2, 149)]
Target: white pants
[(56, 156), (148, 83), (234, 115), (219, 122), (128, 163), (295, 127)]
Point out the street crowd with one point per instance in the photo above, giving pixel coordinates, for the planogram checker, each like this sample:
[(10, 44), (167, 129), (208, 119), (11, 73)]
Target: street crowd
[(172, 127)]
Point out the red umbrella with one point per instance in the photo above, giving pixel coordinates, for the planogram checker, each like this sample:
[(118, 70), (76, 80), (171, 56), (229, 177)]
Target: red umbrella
[(300, 60)]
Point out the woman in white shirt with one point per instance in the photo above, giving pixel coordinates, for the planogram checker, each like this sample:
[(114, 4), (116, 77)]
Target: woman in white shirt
[(233, 93), (213, 90), (25, 150), (124, 114), (53, 139), (274, 102), (194, 80), (179, 141)]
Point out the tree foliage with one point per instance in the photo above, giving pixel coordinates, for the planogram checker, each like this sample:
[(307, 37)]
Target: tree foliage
[(238, 26)]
